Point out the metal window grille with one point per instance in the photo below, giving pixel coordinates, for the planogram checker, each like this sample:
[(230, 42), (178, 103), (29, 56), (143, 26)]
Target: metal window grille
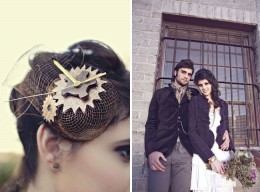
[(230, 56)]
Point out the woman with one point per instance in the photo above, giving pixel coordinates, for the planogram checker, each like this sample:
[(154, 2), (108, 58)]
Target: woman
[(208, 120), (72, 114)]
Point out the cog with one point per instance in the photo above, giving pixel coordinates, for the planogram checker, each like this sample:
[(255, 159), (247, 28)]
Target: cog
[(78, 97), (49, 108)]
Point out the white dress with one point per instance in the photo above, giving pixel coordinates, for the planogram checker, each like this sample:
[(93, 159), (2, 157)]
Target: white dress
[(206, 180)]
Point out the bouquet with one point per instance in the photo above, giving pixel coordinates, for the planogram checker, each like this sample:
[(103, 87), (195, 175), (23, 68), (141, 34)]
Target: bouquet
[(242, 166)]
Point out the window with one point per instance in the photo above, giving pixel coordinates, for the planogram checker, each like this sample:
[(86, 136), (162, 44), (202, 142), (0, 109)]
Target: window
[(229, 54)]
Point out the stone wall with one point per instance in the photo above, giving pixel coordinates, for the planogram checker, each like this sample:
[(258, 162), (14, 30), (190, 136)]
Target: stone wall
[(146, 27)]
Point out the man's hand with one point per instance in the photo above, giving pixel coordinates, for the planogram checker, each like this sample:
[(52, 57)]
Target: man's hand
[(218, 167), (225, 145), (154, 161)]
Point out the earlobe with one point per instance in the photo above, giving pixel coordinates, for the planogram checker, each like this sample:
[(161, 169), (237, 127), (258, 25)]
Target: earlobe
[(48, 146)]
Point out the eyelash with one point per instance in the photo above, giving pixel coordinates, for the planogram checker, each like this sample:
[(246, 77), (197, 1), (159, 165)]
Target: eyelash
[(124, 152), (204, 84)]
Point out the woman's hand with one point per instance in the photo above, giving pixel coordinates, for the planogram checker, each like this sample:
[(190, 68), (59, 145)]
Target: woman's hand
[(218, 167), (225, 144)]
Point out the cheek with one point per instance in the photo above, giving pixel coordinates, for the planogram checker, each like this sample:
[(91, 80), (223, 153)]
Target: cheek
[(99, 171), (109, 173)]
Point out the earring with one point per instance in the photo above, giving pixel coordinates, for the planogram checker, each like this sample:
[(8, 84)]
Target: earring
[(56, 166)]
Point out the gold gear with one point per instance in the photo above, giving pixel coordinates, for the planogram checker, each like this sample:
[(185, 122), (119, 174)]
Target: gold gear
[(79, 97), (49, 108)]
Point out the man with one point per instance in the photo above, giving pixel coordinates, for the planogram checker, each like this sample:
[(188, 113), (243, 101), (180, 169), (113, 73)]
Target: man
[(167, 145)]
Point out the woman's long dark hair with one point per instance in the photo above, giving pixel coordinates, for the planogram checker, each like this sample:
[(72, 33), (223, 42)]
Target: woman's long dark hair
[(93, 53), (208, 75)]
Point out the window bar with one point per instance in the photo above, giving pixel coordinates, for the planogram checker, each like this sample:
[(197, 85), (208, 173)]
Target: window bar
[(245, 93), (255, 110), (210, 42), (189, 44), (231, 85), (216, 43), (202, 50)]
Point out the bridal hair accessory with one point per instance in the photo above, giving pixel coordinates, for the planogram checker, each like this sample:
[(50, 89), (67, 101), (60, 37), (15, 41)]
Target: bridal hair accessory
[(75, 99)]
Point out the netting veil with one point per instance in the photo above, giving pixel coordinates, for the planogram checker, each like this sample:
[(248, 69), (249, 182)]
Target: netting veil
[(78, 103)]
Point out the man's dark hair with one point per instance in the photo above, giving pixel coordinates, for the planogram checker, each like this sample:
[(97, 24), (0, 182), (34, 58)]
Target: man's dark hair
[(184, 63)]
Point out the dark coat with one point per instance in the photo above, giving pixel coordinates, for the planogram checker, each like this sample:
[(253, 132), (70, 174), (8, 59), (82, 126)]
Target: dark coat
[(201, 137), (163, 123)]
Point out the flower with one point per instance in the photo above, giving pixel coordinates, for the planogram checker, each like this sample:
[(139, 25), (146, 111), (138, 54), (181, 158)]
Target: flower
[(242, 166)]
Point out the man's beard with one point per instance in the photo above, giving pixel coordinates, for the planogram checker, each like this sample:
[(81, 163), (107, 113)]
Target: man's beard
[(180, 83)]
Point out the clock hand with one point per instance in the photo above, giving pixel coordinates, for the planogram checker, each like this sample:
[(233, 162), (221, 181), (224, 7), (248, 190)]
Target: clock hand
[(65, 72), (92, 78)]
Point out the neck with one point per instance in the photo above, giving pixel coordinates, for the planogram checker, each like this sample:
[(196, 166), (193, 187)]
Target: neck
[(209, 97), (43, 181)]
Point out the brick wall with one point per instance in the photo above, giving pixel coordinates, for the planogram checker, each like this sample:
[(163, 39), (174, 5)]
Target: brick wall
[(146, 24)]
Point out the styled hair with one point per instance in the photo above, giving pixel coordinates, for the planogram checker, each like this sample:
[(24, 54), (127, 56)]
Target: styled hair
[(93, 53), (184, 63), (202, 74)]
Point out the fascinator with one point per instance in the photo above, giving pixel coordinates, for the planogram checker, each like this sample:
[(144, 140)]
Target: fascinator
[(76, 98)]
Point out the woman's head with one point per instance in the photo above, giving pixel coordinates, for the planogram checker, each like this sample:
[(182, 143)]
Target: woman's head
[(207, 84), (70, 114)]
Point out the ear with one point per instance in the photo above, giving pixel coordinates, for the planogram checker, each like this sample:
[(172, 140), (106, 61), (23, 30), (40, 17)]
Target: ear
[(48, 146), (175, 73)]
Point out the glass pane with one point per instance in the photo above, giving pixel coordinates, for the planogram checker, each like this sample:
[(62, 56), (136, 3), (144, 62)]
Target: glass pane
[(221, 74), (168, 69), (195, 45), (195, 56), (232, 49), (181, 54), (235, 94), (169, 54), (239, 61), (228, 93), (196, 68), (227, 59), (234, 75), (182, 44), (167, 73), (242, 110), (233, 60), (170, 43), (238, 50), (221, 61), (220, 48), (209, 54), (211, 68), (227, 74), (242, 95), (240, 75)]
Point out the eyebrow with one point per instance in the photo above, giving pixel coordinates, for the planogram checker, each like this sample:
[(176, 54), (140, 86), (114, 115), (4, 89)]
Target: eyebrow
[(185, 71), (123, 141)]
